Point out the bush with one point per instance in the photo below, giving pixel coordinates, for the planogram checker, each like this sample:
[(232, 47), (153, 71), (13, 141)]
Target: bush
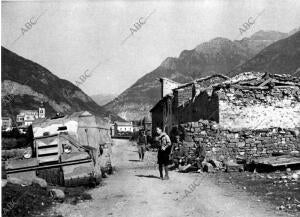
[(14, 143), (14, 139)]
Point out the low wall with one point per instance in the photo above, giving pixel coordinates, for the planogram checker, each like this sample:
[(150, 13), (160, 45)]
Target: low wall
[(244, 143)]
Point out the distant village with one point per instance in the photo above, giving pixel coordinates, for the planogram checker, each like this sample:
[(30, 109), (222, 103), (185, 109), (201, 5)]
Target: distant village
[(25, 118)]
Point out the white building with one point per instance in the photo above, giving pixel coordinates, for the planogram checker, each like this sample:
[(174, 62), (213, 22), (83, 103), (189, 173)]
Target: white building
[(123, 127), (26, 117)]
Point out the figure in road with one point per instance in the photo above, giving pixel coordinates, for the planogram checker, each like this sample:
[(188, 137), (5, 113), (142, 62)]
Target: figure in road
[(141, 143), (164, 150)]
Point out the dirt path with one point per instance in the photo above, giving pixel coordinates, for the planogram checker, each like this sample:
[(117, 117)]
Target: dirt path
[(135, 190)]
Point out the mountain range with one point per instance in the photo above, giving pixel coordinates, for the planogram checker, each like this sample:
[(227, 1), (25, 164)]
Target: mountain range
[(219, 55), (25, 84)]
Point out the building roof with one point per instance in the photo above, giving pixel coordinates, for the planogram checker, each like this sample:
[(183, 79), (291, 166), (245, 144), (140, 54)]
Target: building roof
[(201, 80), (119, 123), (260, 80)]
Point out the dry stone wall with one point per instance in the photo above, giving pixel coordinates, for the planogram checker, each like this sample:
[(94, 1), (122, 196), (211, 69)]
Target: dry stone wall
[(243, 143)]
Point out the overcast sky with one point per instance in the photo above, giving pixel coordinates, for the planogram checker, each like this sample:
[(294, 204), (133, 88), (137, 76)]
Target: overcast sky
[(71, 37)]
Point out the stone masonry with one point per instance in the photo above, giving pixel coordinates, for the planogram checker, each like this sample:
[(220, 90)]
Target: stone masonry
[(243, 143)]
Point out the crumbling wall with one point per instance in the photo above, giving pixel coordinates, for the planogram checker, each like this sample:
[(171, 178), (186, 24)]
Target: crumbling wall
[(259, 108), (204, 106), (244, 143), (183, 95)]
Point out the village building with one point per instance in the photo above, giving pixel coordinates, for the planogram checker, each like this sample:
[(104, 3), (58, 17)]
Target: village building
[(26, 117), (253, 114), (123, 127), (240, 102), (6, 123), (170, 110)]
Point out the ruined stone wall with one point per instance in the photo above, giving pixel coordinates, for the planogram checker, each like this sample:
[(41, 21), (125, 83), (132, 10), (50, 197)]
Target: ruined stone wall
[(183, 95), (203, 106), (243, 143), (257, 109)]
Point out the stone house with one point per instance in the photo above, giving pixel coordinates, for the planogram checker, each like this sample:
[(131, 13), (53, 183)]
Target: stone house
[(250, 115), (172, 108), (161, 114), (249, 100)]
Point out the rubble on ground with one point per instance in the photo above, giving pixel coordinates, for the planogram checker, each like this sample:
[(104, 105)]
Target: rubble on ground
[(57, 194)]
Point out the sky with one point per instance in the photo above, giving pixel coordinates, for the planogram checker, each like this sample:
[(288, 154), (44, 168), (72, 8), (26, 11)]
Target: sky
[(98, 38)]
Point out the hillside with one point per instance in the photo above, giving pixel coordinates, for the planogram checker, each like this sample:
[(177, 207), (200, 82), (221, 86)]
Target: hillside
[(281, 57), (102, 99), (25, 84), (218, 55)]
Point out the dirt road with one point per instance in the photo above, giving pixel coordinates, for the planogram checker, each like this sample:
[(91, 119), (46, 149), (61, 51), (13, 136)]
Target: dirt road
[(135, 190)]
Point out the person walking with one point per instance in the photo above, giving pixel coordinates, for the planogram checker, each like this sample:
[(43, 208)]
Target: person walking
[(164, 150), (141, 143)]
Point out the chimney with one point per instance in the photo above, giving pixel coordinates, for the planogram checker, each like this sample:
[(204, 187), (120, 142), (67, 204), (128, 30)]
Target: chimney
[(167, 86), (195, 90)]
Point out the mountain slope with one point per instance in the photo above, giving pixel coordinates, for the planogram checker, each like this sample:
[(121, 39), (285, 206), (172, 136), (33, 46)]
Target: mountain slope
[(25, 84), (102, 99), (216, 56), (281, 57)]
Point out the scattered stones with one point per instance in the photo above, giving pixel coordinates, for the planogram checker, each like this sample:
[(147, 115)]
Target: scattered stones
[(233, 167), (57, 194)]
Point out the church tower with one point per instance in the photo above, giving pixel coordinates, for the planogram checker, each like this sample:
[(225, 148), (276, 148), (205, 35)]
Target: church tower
[(42, 111)]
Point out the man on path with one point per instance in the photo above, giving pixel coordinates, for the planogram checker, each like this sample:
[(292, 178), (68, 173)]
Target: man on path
[(164, 150), (141, 143)]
